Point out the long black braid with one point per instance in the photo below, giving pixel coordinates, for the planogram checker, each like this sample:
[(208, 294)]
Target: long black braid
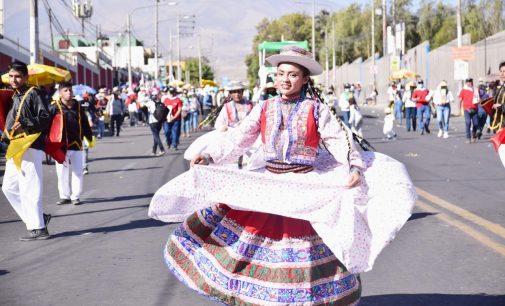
[(363, 143)]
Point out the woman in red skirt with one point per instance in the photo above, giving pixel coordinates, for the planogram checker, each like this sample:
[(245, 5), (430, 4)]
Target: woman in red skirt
[(299, 230)]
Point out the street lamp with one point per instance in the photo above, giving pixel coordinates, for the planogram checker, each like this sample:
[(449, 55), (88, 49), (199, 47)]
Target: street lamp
[(128, 30)]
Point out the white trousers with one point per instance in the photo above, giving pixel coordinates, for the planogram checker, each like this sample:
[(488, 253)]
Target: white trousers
[(23, 189), (70, 175)]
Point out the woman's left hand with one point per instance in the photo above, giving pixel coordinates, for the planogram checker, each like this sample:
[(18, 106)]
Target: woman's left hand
[(354, 179)]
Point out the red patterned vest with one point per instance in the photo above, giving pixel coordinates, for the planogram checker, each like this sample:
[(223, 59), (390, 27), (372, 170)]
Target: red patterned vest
[(301, 127)]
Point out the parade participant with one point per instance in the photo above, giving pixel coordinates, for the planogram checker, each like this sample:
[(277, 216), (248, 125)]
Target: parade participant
[(235, 110), (269, 91), (469, 99), (499, 101), (229, 116), (442, 98), (422, 98), (68, 117), (172, 127), (343, 103), (300, 229), (28, 120)]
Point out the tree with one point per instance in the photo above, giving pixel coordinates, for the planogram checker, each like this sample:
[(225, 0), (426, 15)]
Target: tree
[(192, 66), (296, 27)]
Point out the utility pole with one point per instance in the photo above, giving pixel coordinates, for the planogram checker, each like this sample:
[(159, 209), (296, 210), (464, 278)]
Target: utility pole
[(199, 62), (129, 51), (393, 25), (51, 27), (326, 49), (384, 28), (170, 63), (373, 41), (2, 30), (313, 30), (334, 58), (178, 50), (156, 42), (458, 20), (34, 31)]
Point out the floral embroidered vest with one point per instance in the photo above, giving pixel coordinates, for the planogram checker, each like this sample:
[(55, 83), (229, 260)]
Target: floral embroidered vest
[(301, 127)]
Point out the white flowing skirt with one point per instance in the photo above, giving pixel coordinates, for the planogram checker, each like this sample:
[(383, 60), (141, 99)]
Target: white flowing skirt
[(355, 223)]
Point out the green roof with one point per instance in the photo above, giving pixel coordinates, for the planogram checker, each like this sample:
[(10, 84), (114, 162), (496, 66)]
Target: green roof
[(276, 46)]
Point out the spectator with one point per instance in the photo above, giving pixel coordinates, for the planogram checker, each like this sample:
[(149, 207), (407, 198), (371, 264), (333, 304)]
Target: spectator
[(115, 109), (442, 98), (172, 127), (422, 98), (469, 98), (155, 127), (355, 118), (343, 103), (389, 129), (410, 107), (132, 112)]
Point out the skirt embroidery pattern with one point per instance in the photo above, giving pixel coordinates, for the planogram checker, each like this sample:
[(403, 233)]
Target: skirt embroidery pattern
[(217, 257)]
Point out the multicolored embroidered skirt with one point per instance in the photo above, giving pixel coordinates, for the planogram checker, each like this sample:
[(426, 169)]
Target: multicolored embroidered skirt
[(250, 258)]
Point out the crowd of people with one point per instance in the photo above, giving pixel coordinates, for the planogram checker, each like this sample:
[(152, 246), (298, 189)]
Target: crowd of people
[(412, 105), (246, 219)]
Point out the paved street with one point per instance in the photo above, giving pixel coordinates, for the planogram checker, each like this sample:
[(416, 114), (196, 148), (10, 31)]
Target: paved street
[(108, 252)]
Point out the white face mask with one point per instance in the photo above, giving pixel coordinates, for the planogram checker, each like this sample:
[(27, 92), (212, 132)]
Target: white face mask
[(420, 85), (346, 89)]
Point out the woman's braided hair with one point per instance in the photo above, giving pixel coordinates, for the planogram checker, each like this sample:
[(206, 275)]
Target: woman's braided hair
[(314, 92)]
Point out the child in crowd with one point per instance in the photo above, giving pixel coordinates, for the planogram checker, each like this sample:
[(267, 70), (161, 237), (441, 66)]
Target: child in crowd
[(388, 128)]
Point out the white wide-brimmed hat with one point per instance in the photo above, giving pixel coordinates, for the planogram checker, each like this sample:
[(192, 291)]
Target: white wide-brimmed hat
[(297, 55), (235, 85)]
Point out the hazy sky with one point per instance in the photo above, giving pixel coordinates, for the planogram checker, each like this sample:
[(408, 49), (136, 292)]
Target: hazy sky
[(226, 27)]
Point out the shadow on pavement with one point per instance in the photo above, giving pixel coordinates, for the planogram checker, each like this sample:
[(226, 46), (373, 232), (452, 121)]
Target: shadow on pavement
[(433, 300), (3, 272), (119, 170), (117, 199), (121, 157), (422, 215), (136, 224), (85, 212)]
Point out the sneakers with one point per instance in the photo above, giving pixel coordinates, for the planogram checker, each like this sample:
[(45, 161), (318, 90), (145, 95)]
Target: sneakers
[(446, 135), (36, 234), (76, 202), (161, 153), (63, 202), (440, 133), (85, 171)]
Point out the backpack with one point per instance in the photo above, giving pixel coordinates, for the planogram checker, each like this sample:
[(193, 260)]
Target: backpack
[(160, 112)]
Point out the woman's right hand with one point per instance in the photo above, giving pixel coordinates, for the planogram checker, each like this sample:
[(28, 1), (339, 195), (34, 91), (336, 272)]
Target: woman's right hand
[(199, 160)]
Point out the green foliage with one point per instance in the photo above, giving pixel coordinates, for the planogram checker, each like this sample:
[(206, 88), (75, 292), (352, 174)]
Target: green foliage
[(349, 29), (192, 66)]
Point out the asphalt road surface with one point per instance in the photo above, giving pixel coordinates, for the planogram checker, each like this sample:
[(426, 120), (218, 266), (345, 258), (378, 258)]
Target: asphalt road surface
[(108, 252)]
